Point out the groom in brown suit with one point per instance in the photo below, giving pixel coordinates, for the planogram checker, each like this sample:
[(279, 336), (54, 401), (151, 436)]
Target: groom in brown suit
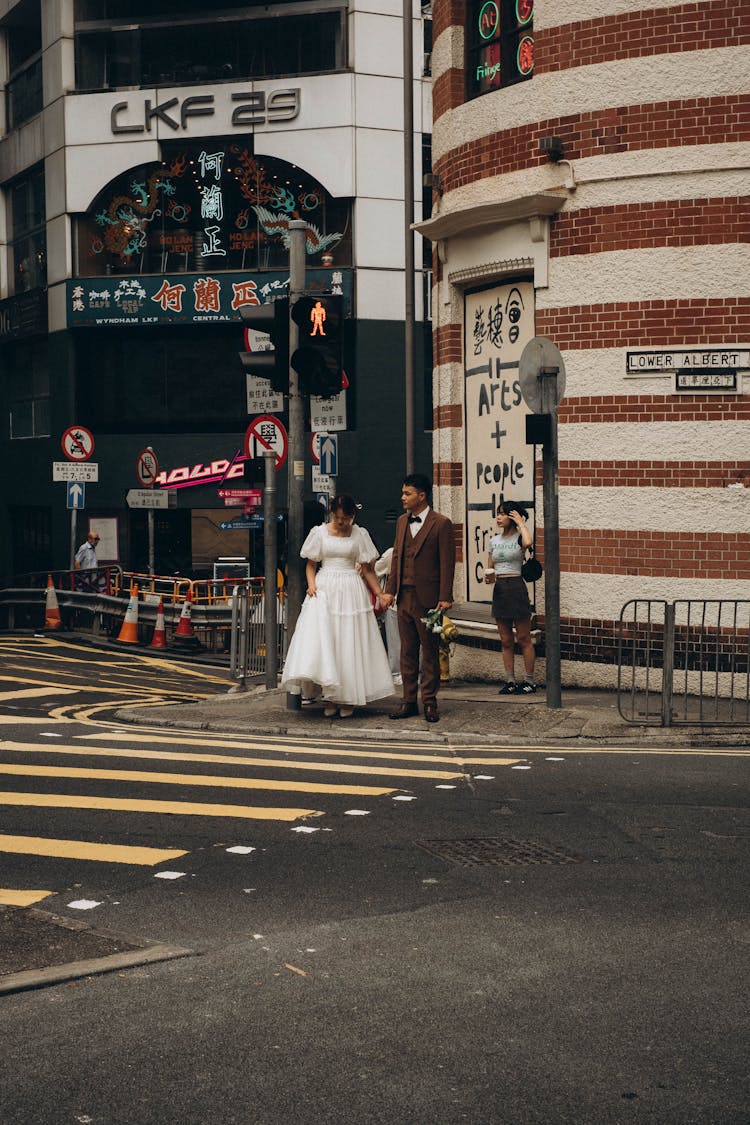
[(421, 578)]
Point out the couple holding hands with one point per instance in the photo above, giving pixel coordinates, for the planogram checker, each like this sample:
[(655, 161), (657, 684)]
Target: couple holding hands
[(337, 651)]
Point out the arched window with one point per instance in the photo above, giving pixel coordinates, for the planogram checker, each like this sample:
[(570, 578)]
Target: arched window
[(209, 205)]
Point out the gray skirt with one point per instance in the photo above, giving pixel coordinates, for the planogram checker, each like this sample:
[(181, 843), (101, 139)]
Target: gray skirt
[(510, 600)]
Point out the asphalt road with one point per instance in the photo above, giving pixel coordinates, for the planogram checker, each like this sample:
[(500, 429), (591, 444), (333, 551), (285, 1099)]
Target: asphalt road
[(377, 933)]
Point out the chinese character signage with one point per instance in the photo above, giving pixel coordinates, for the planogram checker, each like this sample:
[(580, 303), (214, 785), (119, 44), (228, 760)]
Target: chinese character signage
[(186, 298), (498, 323)]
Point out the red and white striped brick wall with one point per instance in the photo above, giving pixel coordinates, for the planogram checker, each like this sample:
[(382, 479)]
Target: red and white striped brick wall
[(648, 251)]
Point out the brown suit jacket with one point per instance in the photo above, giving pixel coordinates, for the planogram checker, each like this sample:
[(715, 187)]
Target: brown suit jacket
[(434, 560)]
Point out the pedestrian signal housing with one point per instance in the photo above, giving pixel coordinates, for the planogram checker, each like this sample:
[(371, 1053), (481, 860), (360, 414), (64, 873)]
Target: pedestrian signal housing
[(273, 319), (319, 358)]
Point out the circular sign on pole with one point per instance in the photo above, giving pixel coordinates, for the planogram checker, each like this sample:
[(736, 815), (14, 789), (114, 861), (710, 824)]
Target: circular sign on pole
[(77, 443), (267, 433), (147, 467), (315, 439), (540, 354)]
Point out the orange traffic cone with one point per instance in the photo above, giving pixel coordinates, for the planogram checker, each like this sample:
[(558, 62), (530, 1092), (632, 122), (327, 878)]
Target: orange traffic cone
[(52, 619), (184, 636), (159, 639), (129, 632)]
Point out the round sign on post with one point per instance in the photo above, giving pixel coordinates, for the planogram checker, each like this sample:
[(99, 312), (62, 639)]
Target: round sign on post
[(77, 443), (266, 433), (538, 355), (147, 468)]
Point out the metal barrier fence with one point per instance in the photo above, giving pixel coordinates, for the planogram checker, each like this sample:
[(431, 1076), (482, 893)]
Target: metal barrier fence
[(685, 662), (247, 652)]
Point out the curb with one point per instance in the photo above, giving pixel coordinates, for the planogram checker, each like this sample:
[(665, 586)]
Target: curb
[(149, 952)]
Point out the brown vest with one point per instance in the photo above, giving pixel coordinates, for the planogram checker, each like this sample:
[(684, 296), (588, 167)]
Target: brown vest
[(407, 571)]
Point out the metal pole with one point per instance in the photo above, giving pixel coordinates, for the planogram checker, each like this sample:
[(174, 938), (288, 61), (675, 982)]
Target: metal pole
[(73, 525), (550, 489), (151, 541), (269, 565), (409, 334), (296, 474)]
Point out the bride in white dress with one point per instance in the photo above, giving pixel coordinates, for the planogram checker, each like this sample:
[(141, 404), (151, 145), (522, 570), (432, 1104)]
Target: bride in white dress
[(337, 644)]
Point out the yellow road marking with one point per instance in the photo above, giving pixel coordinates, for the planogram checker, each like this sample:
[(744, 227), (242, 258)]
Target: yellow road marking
[(33, 693), (36, 720), (193, 779), (180, 808), (21, 898), (82, 849), (225, 759), (64, 687), (141, 658)]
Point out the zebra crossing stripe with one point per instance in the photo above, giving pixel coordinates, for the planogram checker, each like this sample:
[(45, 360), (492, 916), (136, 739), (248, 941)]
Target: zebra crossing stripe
[(82, 849), (178, 808)]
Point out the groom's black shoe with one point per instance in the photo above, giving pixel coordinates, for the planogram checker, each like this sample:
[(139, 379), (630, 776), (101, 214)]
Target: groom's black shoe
[(405, 711)]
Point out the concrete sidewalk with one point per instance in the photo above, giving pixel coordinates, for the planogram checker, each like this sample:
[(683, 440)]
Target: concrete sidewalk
[(470, 713)]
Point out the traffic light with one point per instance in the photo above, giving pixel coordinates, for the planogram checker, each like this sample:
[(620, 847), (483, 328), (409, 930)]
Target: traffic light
[(273, 319), (318, 359)]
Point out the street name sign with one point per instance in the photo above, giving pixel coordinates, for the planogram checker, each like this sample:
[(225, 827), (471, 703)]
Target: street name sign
[(251, 495), (147, 498)]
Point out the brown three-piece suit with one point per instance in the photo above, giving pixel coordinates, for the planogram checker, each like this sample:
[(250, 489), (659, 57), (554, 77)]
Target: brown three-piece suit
[(421, 576)]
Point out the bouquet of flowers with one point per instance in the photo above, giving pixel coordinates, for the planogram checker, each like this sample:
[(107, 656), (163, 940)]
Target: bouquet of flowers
[(438, 622)]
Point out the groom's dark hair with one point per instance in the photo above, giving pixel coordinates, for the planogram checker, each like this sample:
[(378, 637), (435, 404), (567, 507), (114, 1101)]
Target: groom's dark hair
[(419, 481)]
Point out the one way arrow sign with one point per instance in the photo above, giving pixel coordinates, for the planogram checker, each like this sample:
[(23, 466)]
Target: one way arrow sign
[(329, 455), (76, 494)]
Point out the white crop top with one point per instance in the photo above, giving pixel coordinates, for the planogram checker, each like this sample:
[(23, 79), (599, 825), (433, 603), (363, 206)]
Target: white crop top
[(507, 554)]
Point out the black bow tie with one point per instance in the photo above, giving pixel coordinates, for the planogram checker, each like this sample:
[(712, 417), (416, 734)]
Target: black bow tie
[(415, 519)]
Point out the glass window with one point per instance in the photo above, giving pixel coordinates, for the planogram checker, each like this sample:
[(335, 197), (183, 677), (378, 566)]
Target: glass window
[(27, 389), (207, 50), (28, 241), (23, 32), (500, 44), (210, 205)]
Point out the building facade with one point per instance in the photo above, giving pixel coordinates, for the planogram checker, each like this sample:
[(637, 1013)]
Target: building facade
[(590, 186), (152, 157)]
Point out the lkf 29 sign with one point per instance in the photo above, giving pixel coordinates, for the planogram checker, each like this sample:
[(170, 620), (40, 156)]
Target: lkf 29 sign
[(256, 107), (498, 323)]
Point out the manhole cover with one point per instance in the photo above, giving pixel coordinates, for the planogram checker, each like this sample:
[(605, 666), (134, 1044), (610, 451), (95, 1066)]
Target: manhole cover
[(495, 851)]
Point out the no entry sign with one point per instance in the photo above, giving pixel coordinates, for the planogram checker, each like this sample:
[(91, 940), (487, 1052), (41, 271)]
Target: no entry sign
[(77, 443)]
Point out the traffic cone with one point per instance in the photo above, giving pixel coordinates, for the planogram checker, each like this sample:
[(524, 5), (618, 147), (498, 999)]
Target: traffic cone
[(52, 619), (159, 639), (184, 637), (129, 632)]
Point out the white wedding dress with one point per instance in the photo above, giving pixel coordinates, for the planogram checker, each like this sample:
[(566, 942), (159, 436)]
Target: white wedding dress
[(337, 644)]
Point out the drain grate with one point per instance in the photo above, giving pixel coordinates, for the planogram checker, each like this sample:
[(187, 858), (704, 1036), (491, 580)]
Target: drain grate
[(495, 851)]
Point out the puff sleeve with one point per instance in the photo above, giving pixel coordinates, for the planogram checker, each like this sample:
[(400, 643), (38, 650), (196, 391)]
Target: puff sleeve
[(312, 547), (367, 551)]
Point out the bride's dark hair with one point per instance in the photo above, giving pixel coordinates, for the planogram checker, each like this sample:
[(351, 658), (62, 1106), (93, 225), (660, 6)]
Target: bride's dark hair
[(344, 503)]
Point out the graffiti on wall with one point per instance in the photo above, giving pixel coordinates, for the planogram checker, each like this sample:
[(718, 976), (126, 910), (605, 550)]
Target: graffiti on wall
[(498, 322)]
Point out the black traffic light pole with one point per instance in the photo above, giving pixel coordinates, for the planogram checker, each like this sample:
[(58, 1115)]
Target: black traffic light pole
[(296, 471)]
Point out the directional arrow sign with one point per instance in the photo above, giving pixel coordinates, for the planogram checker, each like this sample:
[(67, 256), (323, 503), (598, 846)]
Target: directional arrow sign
[(76, 495), (329, 455)]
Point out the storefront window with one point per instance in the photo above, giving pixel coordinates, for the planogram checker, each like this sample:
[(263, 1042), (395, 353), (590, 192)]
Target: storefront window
[(500, 44), (29, 244), (209, 206)]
